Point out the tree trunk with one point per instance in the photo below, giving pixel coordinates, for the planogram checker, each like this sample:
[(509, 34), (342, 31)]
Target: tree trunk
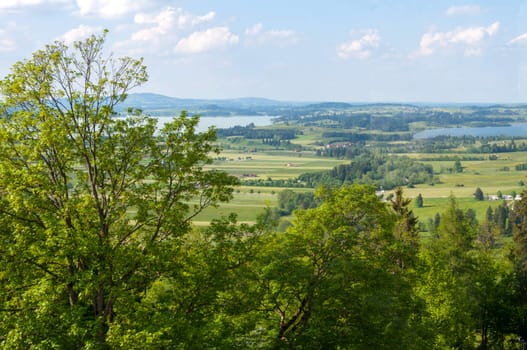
[(103, 315)]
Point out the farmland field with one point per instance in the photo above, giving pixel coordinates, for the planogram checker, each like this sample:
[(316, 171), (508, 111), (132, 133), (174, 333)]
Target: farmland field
[(490, 176), (269, 163)]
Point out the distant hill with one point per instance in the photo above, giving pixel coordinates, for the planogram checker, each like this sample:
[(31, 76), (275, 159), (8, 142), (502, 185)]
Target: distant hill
[(156, 104), (161, 105)]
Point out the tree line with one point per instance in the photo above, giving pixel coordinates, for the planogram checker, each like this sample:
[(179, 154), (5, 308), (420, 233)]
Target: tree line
[(251, 132), (381, 170), (394, 117)]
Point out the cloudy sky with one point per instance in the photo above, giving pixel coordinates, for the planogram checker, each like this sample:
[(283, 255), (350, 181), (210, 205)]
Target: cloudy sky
[(296, 50)]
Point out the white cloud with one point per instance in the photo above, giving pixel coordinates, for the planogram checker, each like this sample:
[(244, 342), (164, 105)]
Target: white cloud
[(463, 10), (360, 48), (110, 8), (159, 32), (187, 20), (468, 38), (79, 33), (519, 40), (166, 21), (255, 35), (16, 4), (171, 16), (206, 40), (254, 30), (6, 44)]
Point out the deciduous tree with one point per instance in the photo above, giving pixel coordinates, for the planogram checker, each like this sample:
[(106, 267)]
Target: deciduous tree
[(334, 280), (92, 206)]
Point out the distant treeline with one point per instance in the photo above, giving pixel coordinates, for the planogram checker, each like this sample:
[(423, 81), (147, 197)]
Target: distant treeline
[(380, 170), (352, 150), (471, 144), (343, 116), (269, 182), (498, 220), (346, 136), (289, 200), (466, 144), (343, 151), (360, 120), (444, 158), (250, 132), (504, 147), (442, 118)]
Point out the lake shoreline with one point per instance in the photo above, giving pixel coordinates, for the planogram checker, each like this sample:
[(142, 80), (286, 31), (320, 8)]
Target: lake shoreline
[(224, 122), (513, 130)]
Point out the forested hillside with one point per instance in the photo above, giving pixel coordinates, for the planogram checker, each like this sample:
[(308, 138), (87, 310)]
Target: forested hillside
[(98, 247)]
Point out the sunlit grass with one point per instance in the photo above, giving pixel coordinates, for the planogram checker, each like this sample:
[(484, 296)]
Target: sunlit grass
[(492, 176)]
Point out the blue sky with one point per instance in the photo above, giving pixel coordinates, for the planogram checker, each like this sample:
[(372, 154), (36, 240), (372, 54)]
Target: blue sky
[(333, 50)]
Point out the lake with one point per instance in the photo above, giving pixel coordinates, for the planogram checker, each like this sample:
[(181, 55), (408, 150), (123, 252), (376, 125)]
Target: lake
[(516, 130), (225, 122)]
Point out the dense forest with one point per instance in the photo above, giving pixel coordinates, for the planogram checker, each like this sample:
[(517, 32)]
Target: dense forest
[(98, 249), (380, 170)]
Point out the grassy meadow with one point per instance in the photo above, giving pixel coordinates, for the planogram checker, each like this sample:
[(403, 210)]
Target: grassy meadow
[(384, 128), (274, 164), (492, 176), (249, 201)]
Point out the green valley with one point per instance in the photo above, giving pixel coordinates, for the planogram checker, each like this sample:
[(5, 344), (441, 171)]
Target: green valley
[(313, 145)]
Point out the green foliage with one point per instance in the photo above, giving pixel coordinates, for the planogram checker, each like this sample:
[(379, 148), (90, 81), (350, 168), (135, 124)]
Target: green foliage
[(332, 280), (478, 194), (98, 250), (93, 207), (289, 200), (519, 259), (266, 134), (373, 169), (458, 168), (467, 291), (195, 305), (406, 231), (419, 202)]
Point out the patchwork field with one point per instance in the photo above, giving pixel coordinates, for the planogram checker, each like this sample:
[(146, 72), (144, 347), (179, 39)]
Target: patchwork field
[(492, 176)]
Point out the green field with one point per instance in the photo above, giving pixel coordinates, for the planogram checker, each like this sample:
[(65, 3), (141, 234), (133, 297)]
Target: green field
[(383, 129), (490, 175), (246, 205), (249, 201), (274, 164)]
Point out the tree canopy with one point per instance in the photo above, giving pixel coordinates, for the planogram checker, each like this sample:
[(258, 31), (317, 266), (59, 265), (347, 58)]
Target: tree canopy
[(98, 249), (92, 205)]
